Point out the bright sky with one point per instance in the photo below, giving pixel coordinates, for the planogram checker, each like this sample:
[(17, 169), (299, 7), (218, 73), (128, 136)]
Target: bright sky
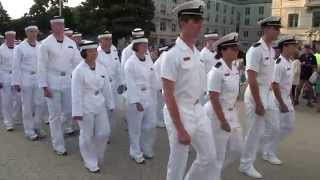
[(17, 8)]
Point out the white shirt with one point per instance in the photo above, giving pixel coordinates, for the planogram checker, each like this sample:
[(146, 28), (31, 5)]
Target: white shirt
[(24, 71), (261, 60), (90, 89), (139, 75), (157, 68), (283, 75), (112, 64), (208, 58), (6, 60), (182, 66), (56, 62), (225, 81)]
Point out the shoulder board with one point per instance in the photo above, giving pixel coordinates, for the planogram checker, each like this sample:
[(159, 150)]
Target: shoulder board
[(256, 44), (278, 60), (218, 65)]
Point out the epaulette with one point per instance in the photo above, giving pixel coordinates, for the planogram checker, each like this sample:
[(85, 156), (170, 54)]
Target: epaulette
[(257, 44), (278, 60), (218, 65)]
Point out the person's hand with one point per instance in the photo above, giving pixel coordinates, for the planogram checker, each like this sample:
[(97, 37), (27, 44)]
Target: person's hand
[(283, 108), (260, 110), (17, 88), (183, 137), (47, 92), (225, 126), (139, 107), (77, 118)]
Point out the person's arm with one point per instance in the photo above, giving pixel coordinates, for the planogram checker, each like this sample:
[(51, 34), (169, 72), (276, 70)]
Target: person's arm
[(253, 67), (43, 61), (107, 92), (16, 69), (77, 95)]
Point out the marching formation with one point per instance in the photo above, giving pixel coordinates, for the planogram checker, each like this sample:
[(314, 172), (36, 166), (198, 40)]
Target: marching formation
[(192, 94)]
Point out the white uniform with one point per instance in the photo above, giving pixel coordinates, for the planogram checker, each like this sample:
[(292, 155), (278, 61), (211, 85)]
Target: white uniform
[(160, 99), (260, 58), (182, 66), (10, 98), (225, 81), (55, 65), (140, 77), (25, 75), (283, 75), (91, 98), (112, 65), (208, 58)]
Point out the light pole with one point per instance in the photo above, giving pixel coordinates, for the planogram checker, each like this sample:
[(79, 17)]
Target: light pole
[(60, 7)]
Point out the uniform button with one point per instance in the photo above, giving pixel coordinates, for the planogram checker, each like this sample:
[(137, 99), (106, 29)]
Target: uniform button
[(96, 93)]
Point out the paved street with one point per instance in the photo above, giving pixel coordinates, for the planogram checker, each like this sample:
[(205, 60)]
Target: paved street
[(24, 160)]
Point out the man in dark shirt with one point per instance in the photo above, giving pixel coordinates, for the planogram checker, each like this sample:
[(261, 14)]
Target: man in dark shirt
[(308, 65)]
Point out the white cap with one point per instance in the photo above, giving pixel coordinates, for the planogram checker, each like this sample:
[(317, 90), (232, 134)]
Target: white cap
[(1, 37), (194, 7), (213, 35), (28, 28), (85, 44), (57, 19), (68, 31), (290, 39), (231, 39), (76, 34), (106, 34), (10, 33), (137, 32), (140, 40), (271, 21)]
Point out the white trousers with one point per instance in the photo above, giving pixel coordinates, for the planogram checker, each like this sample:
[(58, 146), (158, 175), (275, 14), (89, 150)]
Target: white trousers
[(59, 107), (94, 135), (286, 125), (260, 129), (10, 104), (199, 128), (142, 132), (32, 108)]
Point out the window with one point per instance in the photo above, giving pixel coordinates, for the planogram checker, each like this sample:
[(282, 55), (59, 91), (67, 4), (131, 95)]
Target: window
[(238, 16), (225, 9), (217, 6), (231, 21), (224, 20), (163, 9), (247, 11), (163, 26), (209, 4), (293, 20), (261, 10), (245, 33), (173, 27), (224, 32), (232, 10), (217, 18), (247, 21), (316, 19)]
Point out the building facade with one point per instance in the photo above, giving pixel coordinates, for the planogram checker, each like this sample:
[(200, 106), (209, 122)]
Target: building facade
[(222, 16), (299, 17)]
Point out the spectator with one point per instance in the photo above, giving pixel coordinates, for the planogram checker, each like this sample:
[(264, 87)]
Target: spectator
[(296, 64), (308, 65)]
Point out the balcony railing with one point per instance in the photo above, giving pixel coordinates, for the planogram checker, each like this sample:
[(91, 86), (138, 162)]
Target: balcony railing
[(312, 3)]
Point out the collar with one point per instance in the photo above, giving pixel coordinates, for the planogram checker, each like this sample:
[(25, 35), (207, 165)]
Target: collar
[(264, 44), (181, 44)]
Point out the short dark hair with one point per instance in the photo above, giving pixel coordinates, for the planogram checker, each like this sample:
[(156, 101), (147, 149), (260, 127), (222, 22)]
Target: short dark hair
[(83, 54)]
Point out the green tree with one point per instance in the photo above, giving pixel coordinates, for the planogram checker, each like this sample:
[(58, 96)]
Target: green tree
[(4, 19), (119, 16)]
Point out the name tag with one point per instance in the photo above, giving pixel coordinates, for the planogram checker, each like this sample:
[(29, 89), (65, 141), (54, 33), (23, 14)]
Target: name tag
[(70, 47)]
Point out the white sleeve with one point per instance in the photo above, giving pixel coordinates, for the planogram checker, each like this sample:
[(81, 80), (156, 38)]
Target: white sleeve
[(124, 58), (43, 66), (169, 68), (16, 67), (132, 91), (277, 73), (215, 79), (76, 58), (107, 93), (1, 65), (118, 72), (253, 57), (77, 93)]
